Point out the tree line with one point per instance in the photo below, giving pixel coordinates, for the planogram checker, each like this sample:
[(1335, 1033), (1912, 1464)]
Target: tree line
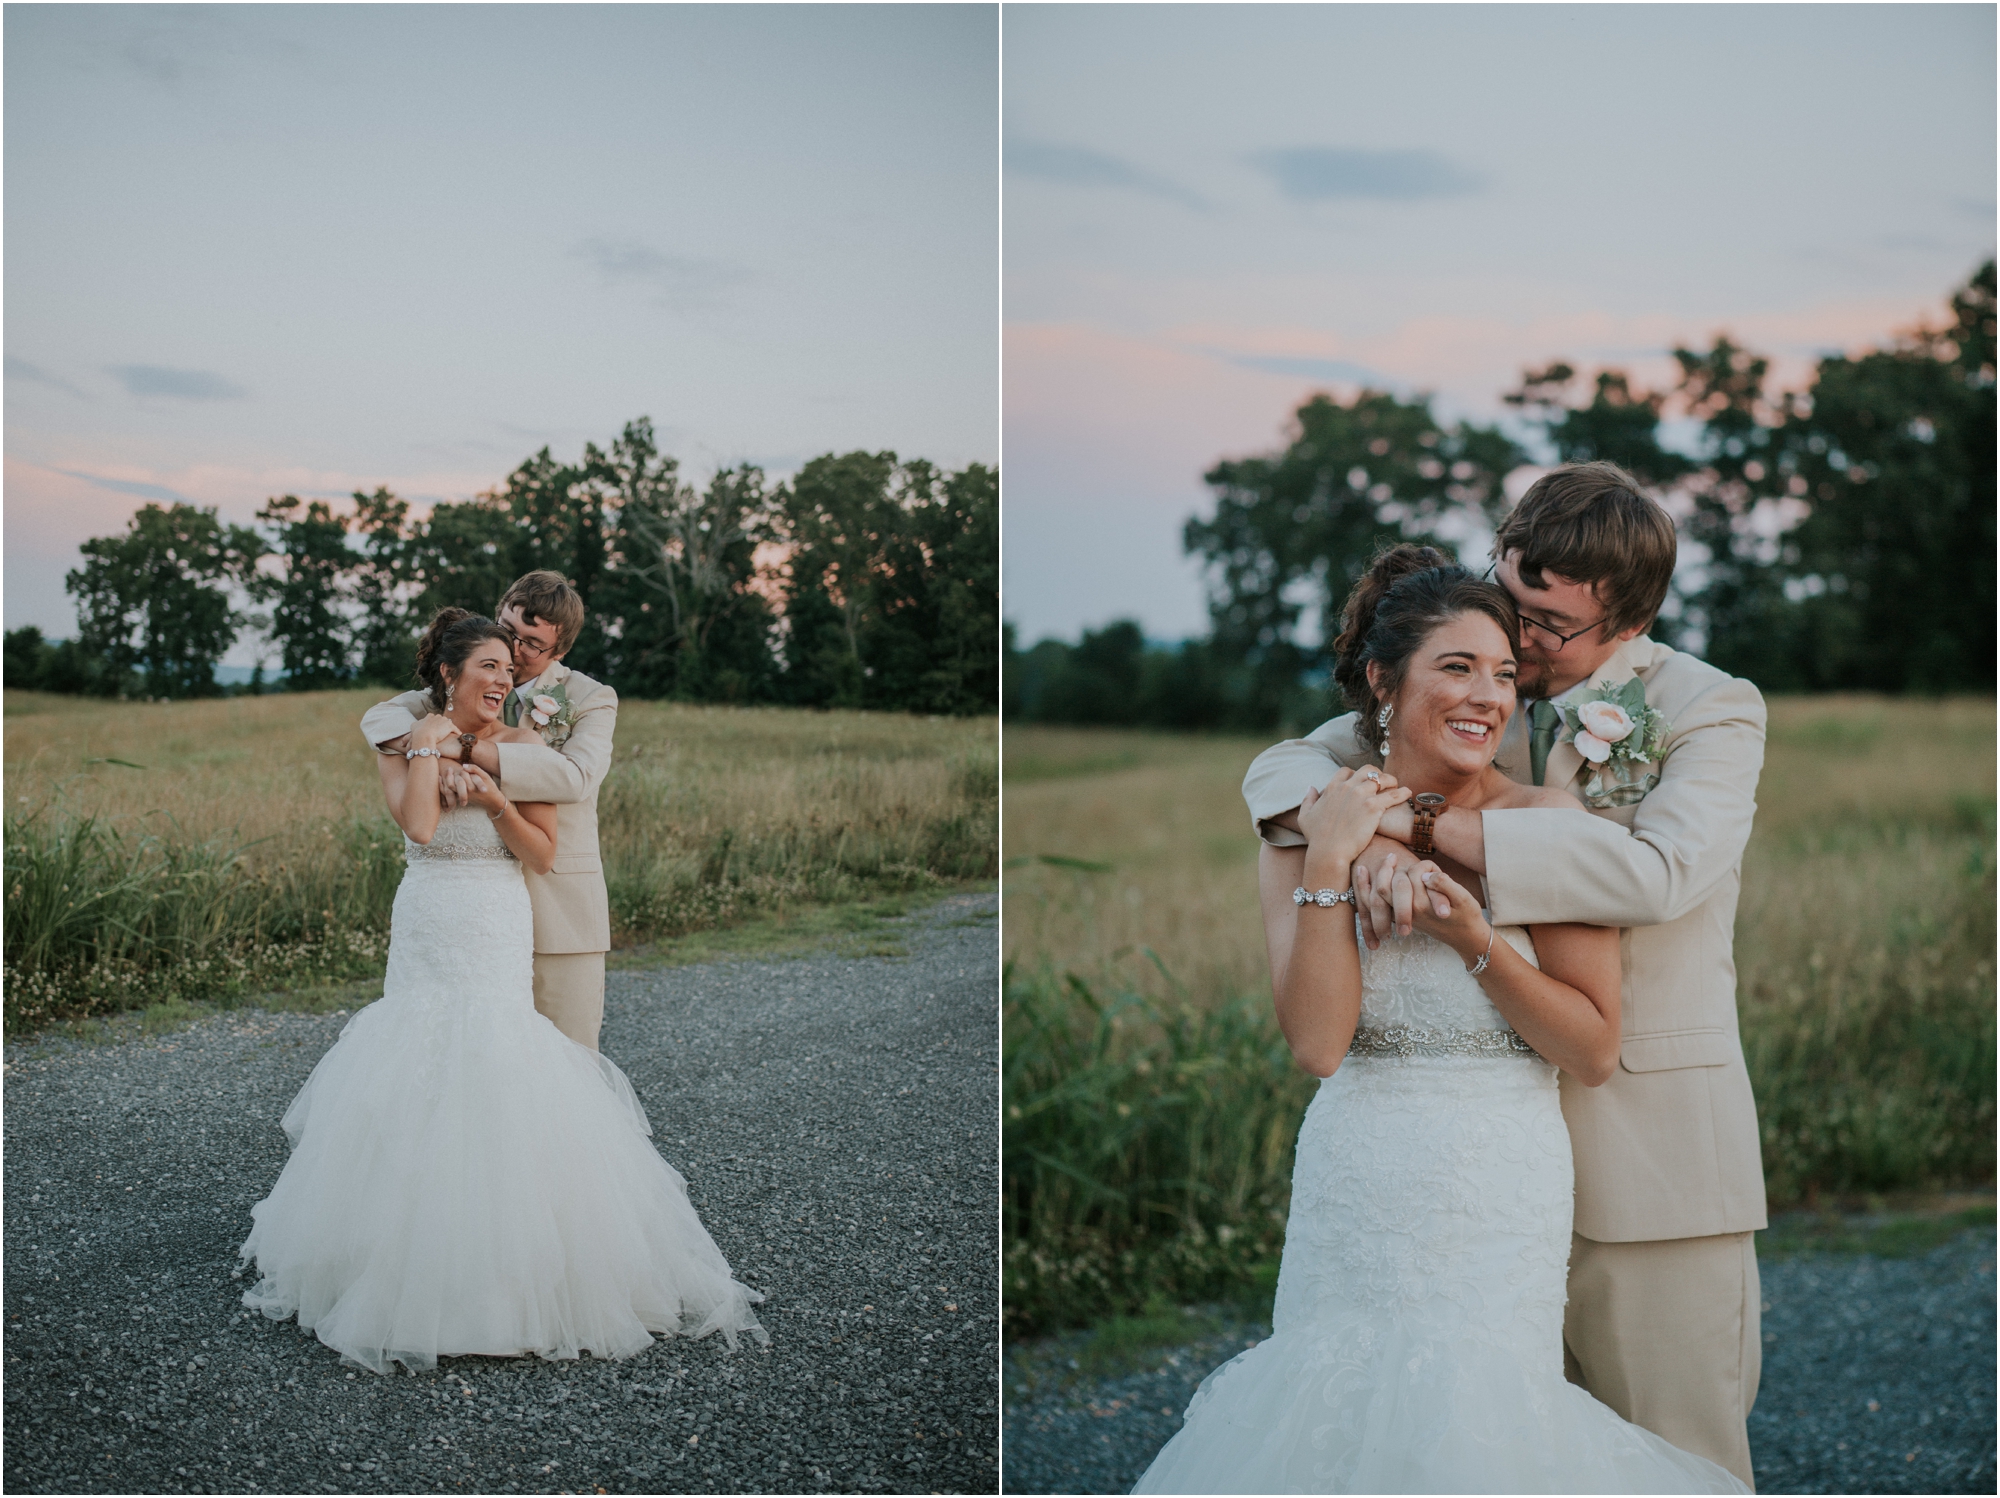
[(1843, 535), (866, 581)]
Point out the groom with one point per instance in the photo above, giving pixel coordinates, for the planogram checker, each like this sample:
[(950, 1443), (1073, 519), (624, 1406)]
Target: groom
[(1662, 1322), (572, 913)]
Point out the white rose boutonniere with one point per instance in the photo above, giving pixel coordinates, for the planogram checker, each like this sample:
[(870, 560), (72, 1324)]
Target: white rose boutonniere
[(1614, 729), (551, 711)]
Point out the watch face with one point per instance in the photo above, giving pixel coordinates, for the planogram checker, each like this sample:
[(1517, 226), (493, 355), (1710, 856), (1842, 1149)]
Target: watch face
[(1429, 800)]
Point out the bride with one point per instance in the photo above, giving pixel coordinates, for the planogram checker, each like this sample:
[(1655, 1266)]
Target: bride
[(463, 1177), (1417, 1334)]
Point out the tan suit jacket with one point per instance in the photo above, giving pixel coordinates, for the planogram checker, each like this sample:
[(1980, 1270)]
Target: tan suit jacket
[(1668, 1148), (572, 912)]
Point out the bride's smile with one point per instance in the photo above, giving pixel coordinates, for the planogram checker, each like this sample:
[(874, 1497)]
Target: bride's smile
[(1453, 704), (479, 690)]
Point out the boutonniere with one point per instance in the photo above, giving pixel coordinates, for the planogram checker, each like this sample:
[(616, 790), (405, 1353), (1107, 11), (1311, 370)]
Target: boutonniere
[(1618, 734), (551, 711)]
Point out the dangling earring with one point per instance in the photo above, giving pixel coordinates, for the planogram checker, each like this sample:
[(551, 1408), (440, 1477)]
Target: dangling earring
[(1382, 725), (450, 692)]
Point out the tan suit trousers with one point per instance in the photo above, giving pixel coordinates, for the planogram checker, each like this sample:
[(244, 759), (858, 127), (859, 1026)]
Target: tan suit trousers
[(1670, 1335), (569, 989)]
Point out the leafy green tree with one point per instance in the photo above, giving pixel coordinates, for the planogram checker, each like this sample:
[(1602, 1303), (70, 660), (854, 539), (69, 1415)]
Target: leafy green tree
[(308, 620), (1299, 527), (936, 604), (155, 602), (1889, 576), (838, 514), (462, 556), (679, 590), (23, 658), (893, 600), (1113, 676), (384, 635), (1618, 425), (1846, 532), (560, 519)]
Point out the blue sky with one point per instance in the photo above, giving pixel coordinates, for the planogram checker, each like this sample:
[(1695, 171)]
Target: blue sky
[(265, 249), (1213, 210)]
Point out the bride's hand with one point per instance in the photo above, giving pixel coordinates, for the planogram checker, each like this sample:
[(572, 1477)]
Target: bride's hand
[(1464, 930), (431, 730), (1340, 820), (482, 792)]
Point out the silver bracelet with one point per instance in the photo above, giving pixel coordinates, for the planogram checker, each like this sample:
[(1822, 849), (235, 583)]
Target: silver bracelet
[(421, 754), (1484, 957), (1322, 898)]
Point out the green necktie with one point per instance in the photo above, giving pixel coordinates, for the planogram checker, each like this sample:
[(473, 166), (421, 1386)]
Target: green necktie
[(1544, 717), (510, 713)]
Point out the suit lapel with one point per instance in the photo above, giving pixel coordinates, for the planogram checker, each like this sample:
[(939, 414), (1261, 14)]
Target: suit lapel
[(1564, 764), (512, 716), (1512, 759)]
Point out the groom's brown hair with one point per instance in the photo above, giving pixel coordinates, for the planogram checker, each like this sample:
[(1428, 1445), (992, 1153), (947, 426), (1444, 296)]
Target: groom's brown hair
[(1592, 523), (546, 595)]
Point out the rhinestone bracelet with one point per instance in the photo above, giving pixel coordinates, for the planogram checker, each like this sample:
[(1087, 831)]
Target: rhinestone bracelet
[(1323, 898)]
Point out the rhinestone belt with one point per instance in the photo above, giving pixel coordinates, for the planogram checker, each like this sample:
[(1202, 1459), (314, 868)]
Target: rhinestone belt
[(436, 852), (1408, 1040)]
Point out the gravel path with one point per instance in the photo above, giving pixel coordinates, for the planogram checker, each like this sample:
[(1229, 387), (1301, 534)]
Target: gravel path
[(835, 1118), (1878, 1378)]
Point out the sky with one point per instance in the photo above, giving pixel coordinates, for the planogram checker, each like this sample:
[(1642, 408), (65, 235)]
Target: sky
[(255, 250), (1212, 211)]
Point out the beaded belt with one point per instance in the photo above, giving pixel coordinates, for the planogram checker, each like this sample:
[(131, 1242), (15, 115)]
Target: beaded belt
[(1408, 1040), (454, 853)]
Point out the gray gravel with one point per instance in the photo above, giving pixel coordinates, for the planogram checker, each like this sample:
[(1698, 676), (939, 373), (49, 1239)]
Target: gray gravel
[(836, 1121), (1878, 1378), (1878, 1373)]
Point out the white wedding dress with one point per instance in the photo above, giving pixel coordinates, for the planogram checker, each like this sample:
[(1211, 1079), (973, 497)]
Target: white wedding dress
[(466, 1179), (1416, 1342)]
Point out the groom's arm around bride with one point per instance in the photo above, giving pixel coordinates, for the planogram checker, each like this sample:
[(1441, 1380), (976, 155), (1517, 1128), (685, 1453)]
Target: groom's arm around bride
[(571, 909), (1663, 1320)]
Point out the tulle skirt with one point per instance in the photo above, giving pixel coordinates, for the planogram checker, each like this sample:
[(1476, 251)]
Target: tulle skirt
[(464, 1179)]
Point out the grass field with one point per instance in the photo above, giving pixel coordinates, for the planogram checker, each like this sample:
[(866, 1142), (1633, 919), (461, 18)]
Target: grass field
[(166, 851), (1151, 1104)]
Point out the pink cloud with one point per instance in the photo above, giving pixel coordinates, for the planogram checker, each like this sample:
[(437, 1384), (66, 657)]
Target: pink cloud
[(53, 508), (1472, 360)]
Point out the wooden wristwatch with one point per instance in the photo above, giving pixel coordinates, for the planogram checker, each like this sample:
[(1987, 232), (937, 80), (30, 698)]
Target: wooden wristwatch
[(1424, 808)]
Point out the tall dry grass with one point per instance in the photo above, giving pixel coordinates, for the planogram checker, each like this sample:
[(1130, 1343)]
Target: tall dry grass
[(1136, 969), (205, 848)]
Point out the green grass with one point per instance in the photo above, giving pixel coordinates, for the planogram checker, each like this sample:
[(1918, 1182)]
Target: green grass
[(1146, 1150), (151, 859), (853, 929), (1885, 1236), (103, 918)]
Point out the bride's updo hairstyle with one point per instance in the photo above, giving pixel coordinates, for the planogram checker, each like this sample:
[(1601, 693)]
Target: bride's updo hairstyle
[(449, 640), (1408, 592)]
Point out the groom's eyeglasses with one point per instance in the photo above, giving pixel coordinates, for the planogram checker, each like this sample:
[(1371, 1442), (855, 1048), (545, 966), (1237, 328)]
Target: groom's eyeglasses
[(529, 647), (1544, 630)]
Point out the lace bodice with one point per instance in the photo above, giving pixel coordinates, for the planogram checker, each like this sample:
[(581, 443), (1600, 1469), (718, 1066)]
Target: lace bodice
[(1418, 982), (465, 833)]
